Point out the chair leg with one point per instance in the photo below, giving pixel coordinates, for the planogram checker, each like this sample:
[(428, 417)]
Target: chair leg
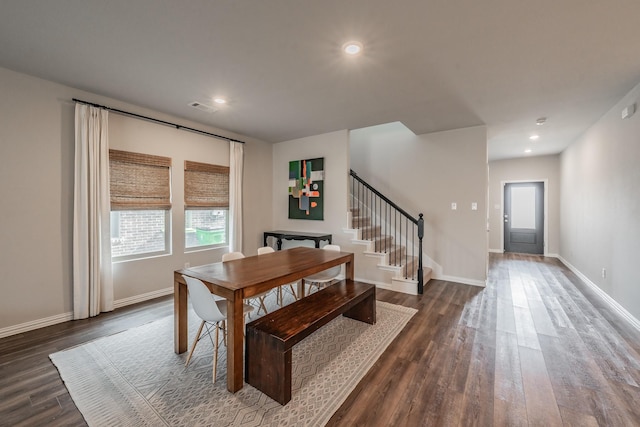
[(293, 292), (262, 306), (279, 299), (215, 355), (312, 285), (224, 332), (195, 341)]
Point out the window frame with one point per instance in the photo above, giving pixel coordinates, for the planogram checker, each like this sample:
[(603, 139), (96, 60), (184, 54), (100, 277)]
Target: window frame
[(203, 191), (140, 182)]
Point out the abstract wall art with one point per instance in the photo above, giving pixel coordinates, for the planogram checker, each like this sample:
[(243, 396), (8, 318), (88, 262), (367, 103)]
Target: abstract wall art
[(306, 189)]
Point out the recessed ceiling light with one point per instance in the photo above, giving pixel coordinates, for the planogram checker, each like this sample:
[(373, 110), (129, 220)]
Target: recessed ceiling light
[(352, 47), (534, 137), (219, 100), (528, 150), (541, 121)]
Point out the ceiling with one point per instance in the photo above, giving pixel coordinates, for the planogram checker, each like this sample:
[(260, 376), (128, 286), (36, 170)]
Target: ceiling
[(433, 65)]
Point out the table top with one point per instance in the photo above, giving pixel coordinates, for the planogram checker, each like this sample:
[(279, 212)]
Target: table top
[(283, 233), (278, 267)]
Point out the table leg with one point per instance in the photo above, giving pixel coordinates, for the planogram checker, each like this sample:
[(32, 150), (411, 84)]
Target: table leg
[(235, 342), (301, 290), (180, 326), (348, 267)]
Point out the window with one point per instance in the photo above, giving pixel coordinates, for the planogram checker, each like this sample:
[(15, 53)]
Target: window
[(206, 199), (140, 204)]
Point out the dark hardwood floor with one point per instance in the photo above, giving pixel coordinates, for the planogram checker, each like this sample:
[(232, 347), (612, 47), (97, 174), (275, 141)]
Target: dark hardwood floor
[(535, 347)]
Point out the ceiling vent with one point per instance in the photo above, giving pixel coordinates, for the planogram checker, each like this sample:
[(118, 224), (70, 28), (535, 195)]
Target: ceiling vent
[(203, 107)]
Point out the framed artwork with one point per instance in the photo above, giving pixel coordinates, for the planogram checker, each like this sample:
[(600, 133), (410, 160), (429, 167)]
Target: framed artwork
[(306, 189)]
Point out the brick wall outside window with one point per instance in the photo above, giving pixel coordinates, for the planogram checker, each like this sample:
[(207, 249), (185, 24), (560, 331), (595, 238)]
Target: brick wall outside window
[(137, 232)]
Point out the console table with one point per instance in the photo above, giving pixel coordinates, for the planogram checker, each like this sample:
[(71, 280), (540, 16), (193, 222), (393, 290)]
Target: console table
[(280, 235)]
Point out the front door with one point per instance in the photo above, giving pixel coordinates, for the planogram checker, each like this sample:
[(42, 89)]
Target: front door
[(524, 217)]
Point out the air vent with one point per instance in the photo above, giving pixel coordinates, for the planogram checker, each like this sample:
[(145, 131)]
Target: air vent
[(203, 107)]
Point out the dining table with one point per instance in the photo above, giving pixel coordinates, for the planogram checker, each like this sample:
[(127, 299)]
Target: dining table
[(243, 278)]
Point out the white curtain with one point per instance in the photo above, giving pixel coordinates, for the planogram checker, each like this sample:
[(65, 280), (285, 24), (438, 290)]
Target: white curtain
[(236, 162), (92, 279)]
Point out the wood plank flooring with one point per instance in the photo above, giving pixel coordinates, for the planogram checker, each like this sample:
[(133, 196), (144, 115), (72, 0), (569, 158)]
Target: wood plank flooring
[(535, 347)]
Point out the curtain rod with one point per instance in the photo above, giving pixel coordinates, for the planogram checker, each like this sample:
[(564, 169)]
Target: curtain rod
[(151, 119)]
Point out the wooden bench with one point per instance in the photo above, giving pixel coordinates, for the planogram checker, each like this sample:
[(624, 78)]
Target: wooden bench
[(270, 339)]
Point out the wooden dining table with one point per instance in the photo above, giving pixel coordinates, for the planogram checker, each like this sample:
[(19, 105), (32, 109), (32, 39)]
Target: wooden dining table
[(243, 278)]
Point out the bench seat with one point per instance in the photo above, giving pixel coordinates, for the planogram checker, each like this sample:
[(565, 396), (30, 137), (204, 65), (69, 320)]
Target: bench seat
[(269, 339)]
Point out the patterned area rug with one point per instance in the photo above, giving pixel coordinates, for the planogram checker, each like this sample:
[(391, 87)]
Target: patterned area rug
[(134, 378)]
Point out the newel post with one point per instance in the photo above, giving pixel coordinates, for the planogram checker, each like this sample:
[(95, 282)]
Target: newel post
[(420, 236)]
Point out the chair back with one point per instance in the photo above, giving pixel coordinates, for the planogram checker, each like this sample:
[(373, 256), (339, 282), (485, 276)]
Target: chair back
[(202, 300), (265, 250), (231, 256), (329, 274)]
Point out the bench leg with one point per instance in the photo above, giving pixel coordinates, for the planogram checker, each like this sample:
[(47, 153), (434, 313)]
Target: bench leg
[(365, 310), (266, 367)]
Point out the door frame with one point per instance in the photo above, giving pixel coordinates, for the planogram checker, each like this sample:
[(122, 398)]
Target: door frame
[(545, 181)]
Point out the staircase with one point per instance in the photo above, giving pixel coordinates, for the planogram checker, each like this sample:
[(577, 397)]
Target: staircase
[(390, 234)]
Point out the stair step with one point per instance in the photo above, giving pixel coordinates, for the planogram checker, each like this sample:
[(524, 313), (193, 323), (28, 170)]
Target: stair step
[(382, 243), (360, 221), (396, 255), (368, 232)]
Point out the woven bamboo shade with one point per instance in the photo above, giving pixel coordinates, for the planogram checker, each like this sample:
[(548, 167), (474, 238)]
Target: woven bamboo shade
[(139, 181), (205, 185)]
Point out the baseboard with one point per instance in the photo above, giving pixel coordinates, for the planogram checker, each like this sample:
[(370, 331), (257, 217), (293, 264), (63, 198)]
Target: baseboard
[(66, 317), (500, 251), (413, 291), (391, 287), (143, 297), (605, 296), (463, 280), (35, 324)]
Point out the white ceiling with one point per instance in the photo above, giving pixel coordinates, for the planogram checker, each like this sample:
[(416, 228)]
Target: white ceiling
[(431, 64)]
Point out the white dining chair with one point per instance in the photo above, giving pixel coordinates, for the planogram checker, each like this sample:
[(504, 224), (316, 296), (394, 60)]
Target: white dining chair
[(283, 288), (213, 313), (326, 277), (260, 297)]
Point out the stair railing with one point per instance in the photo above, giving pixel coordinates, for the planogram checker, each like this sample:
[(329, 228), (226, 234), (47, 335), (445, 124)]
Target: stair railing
[(386, 218)]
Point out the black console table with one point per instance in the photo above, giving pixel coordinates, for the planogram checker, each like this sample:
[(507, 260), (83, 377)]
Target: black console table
[(280, 235)]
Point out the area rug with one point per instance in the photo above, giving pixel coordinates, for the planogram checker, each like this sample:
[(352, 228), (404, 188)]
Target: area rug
[(134, 378)]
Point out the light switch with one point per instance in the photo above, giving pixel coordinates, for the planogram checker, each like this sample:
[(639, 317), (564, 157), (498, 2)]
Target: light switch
[(454, 206), (474, 206)]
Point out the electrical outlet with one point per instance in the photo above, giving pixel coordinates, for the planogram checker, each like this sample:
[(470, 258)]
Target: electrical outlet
[(604, 273), (474, 206), (187, 264), (454, 206)]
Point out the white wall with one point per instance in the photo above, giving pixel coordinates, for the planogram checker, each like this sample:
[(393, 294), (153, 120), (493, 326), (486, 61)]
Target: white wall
[(600, 212), (36, 190), (334, 147), (539, 168), (426, 173), (143, 276)]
